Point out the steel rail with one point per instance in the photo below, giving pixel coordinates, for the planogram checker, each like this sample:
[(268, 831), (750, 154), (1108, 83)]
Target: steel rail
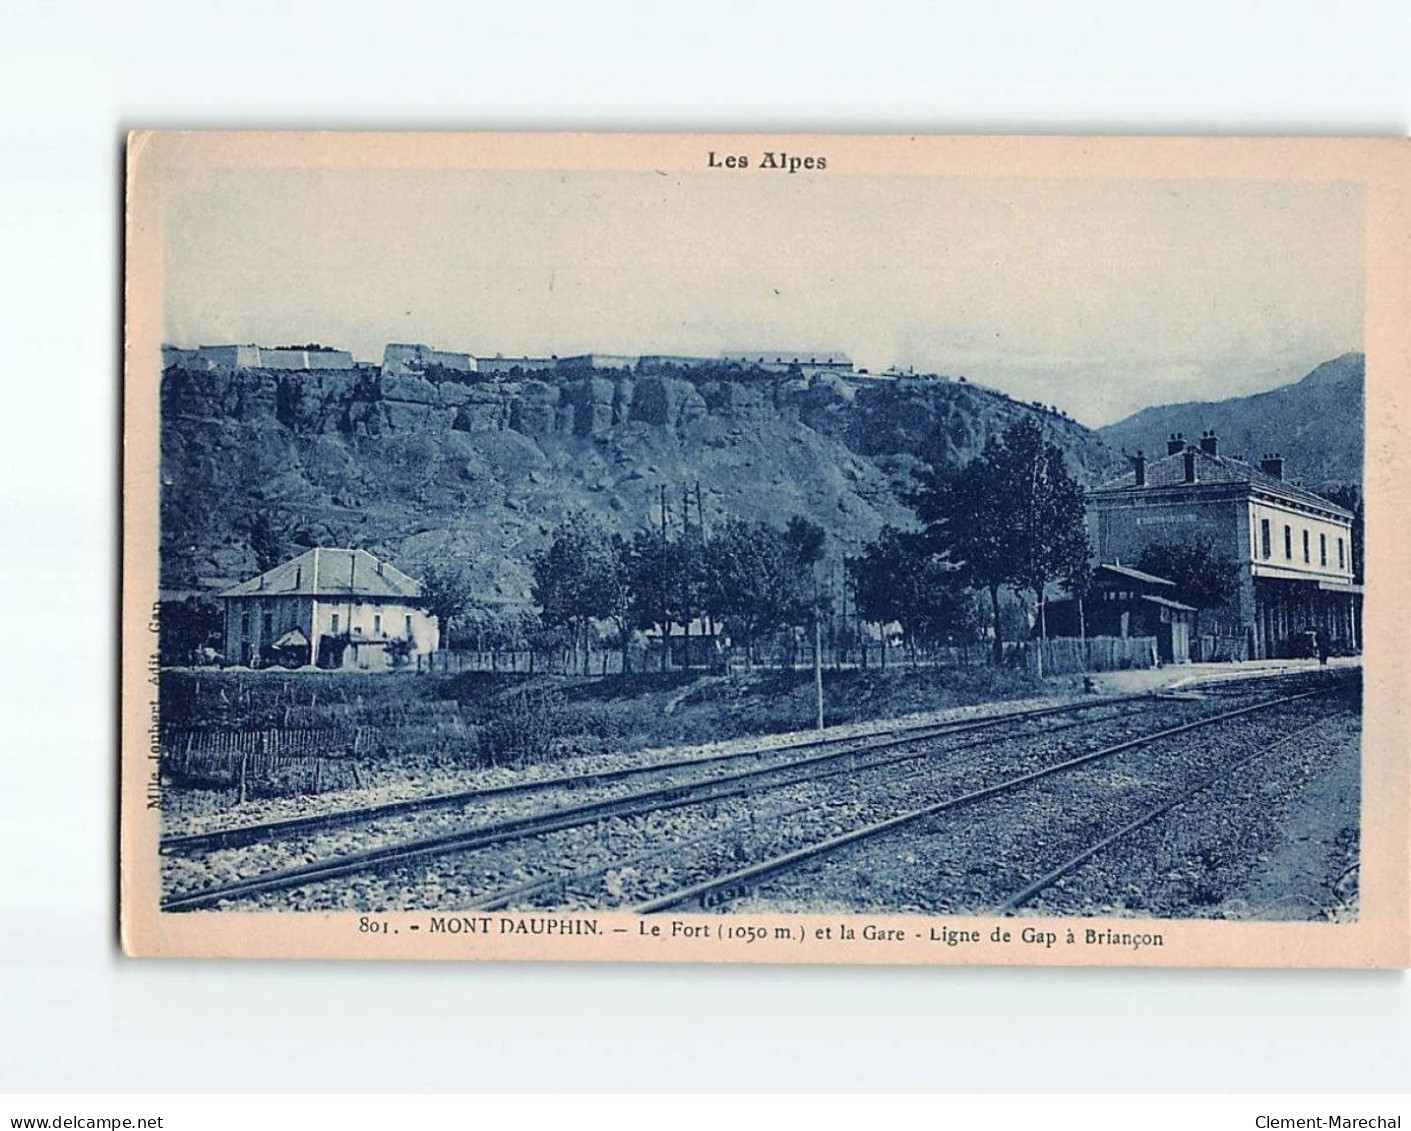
[(722, 889), (239, 835), (1014, 902), (672, 796), (661, 798), (496, 900)]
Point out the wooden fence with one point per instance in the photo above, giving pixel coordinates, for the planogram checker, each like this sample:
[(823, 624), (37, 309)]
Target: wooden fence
[(1219, 649), (1068, 655), (526, 662), (273, 761), (1062, 655)]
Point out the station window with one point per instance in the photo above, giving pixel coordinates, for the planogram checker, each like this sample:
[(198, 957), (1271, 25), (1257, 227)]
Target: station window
[(1342, 561), (269, 624), (1264, 537), (377, 624), (407, 625), (1307, 556), (1322, 549), (245, 623), (1288, 542), (335, 623)]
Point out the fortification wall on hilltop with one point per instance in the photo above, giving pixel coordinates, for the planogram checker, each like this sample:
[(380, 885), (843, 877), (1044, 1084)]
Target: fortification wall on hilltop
[(401, 358), (232, 358)]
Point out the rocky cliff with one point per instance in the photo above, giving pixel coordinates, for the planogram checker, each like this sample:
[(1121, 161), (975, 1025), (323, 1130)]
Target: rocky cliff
[(416, 467)]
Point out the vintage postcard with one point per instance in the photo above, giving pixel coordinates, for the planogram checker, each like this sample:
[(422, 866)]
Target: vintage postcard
[(767, 548)]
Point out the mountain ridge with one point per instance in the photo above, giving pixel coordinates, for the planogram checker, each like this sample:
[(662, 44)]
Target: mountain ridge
[(421, 467), (1316, 423)]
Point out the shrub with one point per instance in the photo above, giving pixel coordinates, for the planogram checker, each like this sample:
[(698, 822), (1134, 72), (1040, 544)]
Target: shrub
[(522, 730)]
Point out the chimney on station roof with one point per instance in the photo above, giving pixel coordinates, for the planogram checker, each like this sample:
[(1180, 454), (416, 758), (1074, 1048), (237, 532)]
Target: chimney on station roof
[(1177, 443), (1272, 463), (1210, 443), (1139, 464)]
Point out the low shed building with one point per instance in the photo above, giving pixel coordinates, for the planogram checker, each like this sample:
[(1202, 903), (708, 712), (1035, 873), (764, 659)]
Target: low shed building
[(1126, 602)]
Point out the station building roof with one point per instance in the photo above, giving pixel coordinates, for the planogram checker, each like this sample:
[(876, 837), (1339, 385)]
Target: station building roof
[(1170, 471)]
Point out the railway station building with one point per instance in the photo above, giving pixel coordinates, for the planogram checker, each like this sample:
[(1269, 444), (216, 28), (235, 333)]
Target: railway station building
[(333, 607), (1294, 548)]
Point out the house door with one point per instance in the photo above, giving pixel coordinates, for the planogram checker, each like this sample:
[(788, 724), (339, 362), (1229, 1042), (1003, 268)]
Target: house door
[(1165, 644), (330, 652), (1180, 642)]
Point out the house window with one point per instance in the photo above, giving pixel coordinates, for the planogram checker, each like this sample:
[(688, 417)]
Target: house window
[(1342, 561), (377, 624), (245, 620), (1288, 542), (1307, 557), (269, 624), (336, 621), (407, 626), (1264, 537), (1322, 549)]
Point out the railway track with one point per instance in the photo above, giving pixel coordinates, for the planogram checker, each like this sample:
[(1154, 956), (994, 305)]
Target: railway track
[(239, 835), (1152, 815), (852, 755), (712, 893)]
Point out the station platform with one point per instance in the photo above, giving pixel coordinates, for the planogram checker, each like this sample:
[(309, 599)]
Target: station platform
[(1178, 676)]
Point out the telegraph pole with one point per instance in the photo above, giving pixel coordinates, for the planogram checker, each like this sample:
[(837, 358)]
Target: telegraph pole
[(818, 663)]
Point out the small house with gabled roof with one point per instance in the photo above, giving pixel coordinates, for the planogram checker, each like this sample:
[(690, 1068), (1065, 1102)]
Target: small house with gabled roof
[(333, 607)]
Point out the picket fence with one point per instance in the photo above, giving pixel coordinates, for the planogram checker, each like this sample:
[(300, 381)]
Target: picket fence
[(271, 761), (1061, 656), (525, 662), (1069, 655)]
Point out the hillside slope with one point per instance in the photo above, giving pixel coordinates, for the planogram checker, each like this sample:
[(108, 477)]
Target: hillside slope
[(1317, 423), (416, 468)]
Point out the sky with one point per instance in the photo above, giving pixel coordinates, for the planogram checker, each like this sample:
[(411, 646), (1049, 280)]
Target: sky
[(1101, 297)]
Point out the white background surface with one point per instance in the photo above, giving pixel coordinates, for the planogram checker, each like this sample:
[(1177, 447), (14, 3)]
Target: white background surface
[(76, 1016)]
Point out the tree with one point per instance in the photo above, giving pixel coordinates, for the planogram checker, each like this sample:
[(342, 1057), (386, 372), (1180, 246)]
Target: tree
[(655, 570), (268, 542), (446, 592), (187, 628), (805, 543), (969, 525), (1013, 515), (1202, 578), (749, 580), (1051, 542), (900, 578), (578, 578)]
